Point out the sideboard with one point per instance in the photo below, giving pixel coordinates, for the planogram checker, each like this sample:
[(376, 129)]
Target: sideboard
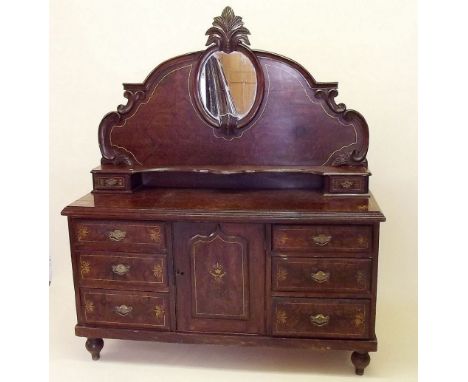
[(231, 206)]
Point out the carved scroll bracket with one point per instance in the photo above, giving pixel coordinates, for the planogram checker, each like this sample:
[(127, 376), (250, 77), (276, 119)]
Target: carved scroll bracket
[(356, 154)]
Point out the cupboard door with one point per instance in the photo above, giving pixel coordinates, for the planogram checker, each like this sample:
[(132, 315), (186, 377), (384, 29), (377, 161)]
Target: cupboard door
[(220, 272)]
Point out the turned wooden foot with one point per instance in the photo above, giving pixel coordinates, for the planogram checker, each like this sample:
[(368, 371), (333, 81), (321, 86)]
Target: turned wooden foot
[(360, 361), (94, 346)]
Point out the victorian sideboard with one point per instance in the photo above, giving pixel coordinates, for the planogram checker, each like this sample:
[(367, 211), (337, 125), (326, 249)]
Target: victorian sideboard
[(231, 206)]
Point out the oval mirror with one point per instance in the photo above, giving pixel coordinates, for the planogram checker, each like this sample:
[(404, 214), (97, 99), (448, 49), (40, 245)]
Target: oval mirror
[(228, 85)]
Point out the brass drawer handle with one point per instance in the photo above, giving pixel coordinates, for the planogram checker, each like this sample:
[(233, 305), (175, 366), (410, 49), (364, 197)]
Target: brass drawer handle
[(321, 239), (123, 310), (319, 319), (320, 276), (346, 184), (120, 269), (117, 235), (110, 182)]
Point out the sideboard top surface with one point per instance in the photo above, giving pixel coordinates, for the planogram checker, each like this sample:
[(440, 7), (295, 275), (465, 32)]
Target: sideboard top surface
[(201, 204)]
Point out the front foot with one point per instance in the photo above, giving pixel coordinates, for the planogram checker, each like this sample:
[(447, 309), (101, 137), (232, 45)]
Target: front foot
[(360, 361), (94, 346)]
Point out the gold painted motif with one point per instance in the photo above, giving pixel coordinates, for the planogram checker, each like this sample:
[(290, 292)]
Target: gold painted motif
[(117, 235), (321, 239), (359, 319), (83, 232), (319, 319), (362, 207), (281, 274), (158, 271), (361, 278), (89, 306), (320, 276), (281, 317), (155, 234), (282, 240), (85, 268), (217, 271), (158, 312), (362, 241)]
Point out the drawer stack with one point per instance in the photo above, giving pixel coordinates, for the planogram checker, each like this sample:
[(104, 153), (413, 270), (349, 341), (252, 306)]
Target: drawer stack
[(321, 281), (121, 270)]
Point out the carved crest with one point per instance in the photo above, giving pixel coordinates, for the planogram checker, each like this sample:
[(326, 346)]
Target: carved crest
[(227, 31)]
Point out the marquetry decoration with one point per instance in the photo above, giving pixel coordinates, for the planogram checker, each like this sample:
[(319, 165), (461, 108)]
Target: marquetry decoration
[(217, 271), (281, 317), (361, 279), (83, 232), (158, 271), (362, 241), (281, 274), (359, 319), (85, 268), (155, 234), (89, 306), (158, 312)]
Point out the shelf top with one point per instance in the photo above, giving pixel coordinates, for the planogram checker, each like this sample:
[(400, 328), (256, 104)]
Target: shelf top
[(229, 170), (227, 205)]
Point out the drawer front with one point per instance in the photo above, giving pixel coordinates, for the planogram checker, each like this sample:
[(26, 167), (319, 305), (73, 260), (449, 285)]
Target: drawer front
[(348, 184), (122, 235), (322, 238), (320, 318), (131, 309), (321, 275), (126, 271)]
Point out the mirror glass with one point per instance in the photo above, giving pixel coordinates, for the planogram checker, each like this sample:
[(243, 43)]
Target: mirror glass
[(228, 84)]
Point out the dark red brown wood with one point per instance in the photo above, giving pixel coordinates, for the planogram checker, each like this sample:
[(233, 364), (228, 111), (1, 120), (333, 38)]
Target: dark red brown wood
[(257, 230), (94, 346), (220, 277), (360, 361)]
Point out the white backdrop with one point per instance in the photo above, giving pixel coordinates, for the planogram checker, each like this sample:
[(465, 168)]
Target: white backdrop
[(369, 47)]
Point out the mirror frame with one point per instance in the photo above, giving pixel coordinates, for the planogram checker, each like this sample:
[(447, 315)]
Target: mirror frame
[(228, 35)]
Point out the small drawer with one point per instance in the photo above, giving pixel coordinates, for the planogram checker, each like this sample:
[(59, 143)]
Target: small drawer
[(346, 184), (125, 271), (131, 309), (322, 238), (320, 318), (110, 182), (119, 235), (321, 275)]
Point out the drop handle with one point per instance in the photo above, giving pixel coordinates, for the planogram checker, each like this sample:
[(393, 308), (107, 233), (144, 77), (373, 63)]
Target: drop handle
[(117, 235), (179, 272), (319, 319), (120, 269), (320, 276), (123, 310), (321, 240)]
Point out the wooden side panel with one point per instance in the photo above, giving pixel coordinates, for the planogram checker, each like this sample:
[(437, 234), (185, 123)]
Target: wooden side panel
[(220, 277)]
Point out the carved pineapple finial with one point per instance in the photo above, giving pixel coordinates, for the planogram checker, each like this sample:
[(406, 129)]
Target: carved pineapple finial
[(227, 31)]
